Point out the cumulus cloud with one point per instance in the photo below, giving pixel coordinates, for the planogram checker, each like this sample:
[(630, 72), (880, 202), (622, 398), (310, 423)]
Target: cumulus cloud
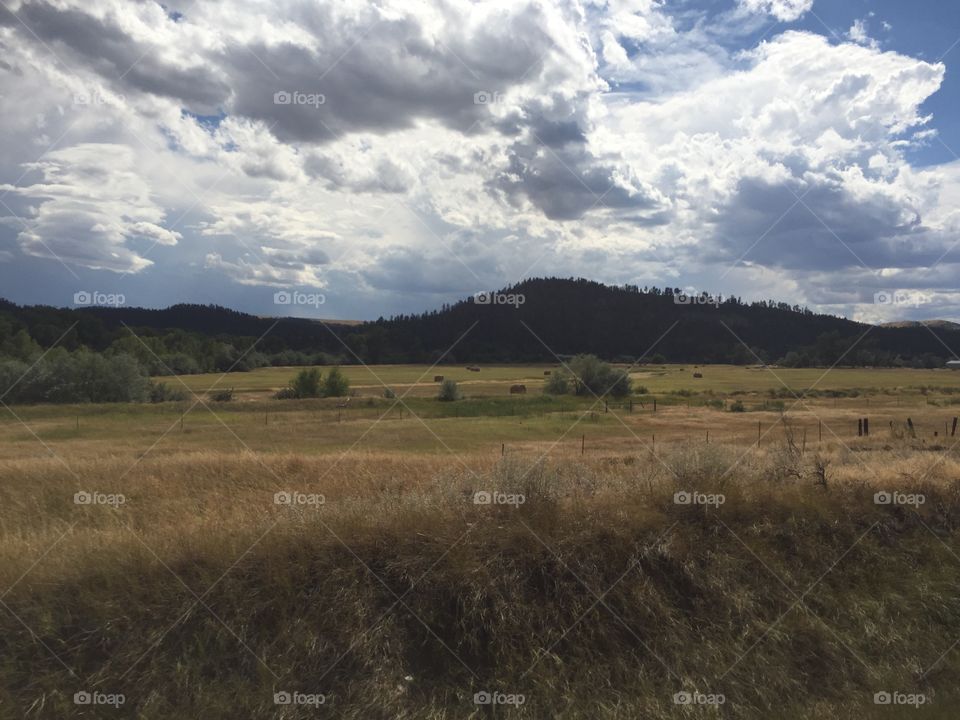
[(90, 205), (783, 10), (409, 149)]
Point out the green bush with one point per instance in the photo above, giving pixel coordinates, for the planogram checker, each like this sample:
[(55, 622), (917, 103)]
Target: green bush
[(592, 376), (307, 384), (336, 384), (449, 391), (79, 377), (161, 392), (557, 384)]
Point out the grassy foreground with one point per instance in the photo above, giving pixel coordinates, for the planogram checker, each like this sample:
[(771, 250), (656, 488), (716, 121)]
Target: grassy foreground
[(384, 590)]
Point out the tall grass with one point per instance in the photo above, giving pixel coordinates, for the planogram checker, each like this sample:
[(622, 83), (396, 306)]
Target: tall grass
[(597, 596)]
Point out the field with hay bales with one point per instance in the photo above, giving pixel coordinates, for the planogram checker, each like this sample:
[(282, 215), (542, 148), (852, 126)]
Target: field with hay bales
[(736, 545)]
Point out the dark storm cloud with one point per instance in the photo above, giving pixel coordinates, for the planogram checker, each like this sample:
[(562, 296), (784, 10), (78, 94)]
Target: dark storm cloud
[(567, 182), (382, 75), (106, 49), (829, 229)]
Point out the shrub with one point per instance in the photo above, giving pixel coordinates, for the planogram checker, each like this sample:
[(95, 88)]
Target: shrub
[(557, 384), (306, 384), (449, 391), (161, 392), (336, 385), (176, 364), (82, 376), (592, 376)]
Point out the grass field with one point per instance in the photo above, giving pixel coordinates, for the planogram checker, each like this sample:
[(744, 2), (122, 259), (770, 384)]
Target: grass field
[(378, 584), (495, 379)]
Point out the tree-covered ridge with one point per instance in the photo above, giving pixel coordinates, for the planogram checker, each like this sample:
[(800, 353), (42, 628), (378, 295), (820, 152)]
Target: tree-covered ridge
[(562, 316)]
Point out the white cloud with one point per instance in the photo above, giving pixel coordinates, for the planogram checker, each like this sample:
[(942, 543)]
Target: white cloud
[(783, 10), (90, 204), (623, 139), (858, 34)]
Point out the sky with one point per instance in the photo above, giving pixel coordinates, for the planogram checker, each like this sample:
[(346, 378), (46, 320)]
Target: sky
[(356, 159)]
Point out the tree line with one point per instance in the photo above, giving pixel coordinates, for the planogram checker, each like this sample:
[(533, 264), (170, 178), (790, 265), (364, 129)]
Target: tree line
[(557, 318)]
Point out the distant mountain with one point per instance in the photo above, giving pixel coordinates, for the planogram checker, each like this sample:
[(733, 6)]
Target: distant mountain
[(942, 324), (533, 321)]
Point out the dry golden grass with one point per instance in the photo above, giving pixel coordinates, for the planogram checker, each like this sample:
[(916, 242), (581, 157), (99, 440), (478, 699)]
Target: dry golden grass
[(597, 597)]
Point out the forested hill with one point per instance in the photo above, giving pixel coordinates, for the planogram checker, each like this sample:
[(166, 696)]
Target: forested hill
[(572, 316), (531, 321)]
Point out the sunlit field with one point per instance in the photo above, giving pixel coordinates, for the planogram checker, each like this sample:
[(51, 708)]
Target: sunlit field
[(716, 539), (490, 380)]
